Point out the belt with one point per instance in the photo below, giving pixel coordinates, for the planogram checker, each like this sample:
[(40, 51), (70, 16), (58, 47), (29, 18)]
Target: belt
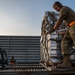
[(72, 23)]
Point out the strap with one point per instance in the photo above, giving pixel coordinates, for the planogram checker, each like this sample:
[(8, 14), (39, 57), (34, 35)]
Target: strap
[(72, 23)]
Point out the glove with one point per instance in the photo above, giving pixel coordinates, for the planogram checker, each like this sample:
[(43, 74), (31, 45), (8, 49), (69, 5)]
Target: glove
[(52, 30)]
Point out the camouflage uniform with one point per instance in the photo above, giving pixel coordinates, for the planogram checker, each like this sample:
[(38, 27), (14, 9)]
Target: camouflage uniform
[(69, 36)]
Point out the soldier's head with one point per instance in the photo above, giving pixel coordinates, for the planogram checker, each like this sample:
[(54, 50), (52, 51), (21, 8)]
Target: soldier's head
[(57, 6)]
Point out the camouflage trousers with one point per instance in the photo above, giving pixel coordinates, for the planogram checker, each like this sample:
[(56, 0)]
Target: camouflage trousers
[(68, 40)]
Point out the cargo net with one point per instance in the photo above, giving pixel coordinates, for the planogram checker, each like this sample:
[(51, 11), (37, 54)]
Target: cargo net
[(49, 21), (50, 43)]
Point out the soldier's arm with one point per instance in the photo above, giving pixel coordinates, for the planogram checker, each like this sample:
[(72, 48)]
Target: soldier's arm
[(60, 20)]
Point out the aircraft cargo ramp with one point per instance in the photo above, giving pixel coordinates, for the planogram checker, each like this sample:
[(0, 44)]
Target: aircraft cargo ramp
[(33, 69)]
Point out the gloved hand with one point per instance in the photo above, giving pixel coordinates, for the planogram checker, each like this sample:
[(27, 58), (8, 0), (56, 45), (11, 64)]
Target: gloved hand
[(52, 30)]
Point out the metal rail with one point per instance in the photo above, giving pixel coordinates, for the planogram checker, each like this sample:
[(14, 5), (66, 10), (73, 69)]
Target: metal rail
[(23, 68), (31, 69)]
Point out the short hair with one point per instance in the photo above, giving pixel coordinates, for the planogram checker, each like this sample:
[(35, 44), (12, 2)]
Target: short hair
[(58, 4)]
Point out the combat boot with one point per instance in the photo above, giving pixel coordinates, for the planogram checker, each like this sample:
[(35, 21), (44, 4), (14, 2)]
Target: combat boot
[(66, 62)]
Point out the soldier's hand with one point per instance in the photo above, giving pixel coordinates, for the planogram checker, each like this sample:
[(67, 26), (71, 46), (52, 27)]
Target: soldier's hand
[(47, 33), (52, 30)]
